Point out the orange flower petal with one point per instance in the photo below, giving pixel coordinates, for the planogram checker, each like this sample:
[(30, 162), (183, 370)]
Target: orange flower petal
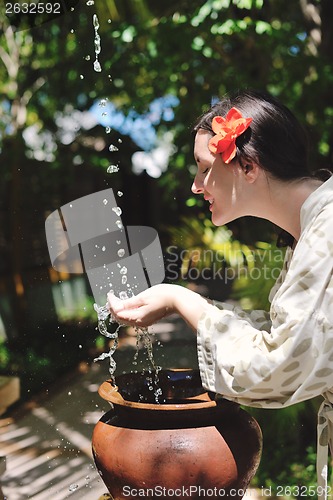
[(227, 130), (234, 114), (218, 124), (229, 153)]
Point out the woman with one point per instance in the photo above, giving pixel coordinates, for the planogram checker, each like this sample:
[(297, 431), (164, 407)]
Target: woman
[(251, 155)]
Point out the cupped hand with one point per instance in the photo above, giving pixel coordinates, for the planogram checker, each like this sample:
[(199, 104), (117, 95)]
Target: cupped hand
[(143, 309)]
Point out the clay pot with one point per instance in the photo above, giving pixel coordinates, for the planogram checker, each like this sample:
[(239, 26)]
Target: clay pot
[(186, 445)]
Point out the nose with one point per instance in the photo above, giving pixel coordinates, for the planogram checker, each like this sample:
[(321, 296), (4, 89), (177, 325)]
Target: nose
[(197, 186)]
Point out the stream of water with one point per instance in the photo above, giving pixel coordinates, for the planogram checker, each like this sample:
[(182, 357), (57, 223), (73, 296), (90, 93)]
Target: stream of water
[(143, 337)]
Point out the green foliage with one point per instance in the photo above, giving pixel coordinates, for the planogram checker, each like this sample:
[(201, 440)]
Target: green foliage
[(203, 244), (257, 278), (289, 446), (253, 269)]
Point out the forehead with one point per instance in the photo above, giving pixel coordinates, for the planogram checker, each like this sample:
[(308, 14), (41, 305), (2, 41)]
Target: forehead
[(201, 150)]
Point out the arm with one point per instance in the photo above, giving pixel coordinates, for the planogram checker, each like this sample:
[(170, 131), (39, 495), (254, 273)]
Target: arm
[(290, 362)]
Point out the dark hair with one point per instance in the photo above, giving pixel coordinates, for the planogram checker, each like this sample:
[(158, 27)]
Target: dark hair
[(275, 139)]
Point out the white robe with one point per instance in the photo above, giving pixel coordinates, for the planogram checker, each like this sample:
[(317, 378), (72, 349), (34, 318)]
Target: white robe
[(284, 357)]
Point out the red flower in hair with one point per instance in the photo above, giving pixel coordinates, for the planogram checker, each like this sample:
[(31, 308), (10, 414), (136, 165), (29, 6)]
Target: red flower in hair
[(227, 130)]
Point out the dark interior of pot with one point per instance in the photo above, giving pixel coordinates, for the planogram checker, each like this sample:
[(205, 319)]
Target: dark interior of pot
[(168, 386)]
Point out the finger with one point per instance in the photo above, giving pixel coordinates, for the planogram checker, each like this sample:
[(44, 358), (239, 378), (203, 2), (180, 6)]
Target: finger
[(124, 304), (135, 317), (115, 304)]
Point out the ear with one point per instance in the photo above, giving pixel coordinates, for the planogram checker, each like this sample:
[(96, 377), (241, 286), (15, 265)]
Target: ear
[(251, 171)]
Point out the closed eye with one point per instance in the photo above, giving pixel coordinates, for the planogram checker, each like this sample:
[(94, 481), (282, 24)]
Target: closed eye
[(205, 171)]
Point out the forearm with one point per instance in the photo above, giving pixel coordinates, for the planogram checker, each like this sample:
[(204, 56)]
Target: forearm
[(189, 305)]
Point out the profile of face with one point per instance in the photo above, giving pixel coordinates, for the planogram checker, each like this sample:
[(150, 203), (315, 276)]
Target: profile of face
[(225, 186)]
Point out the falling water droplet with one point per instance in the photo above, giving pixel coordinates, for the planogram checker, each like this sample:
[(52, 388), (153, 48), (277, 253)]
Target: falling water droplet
[(97, 66), (113, 148), (112, 169), (124, 280), (103, 249), (102, 103), (97, 44), (119, 224), (87, 58), (117, 210), (95, 21), (120, 141), (105, 201), (109, 21), (120, 193), (123, 295), (121, 252), (123, 270), (107, 130), (82, 77), (73, 487), (90, 2)]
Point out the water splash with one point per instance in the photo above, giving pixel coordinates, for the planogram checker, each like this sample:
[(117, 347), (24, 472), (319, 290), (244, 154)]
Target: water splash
[(143, 336), (103, 313)]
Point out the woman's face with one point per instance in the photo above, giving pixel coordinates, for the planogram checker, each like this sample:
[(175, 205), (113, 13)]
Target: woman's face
[(220, 184)]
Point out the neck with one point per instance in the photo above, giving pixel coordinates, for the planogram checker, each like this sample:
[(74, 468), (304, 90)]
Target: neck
[(282, 201)]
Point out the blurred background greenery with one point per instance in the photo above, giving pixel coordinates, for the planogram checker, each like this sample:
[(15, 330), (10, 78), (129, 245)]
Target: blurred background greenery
[(162, 64)]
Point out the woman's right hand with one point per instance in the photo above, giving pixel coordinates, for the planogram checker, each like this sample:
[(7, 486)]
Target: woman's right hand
[(143, 309)]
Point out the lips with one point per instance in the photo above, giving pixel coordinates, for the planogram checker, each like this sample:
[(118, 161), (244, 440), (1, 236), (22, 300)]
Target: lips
[(210, 201)]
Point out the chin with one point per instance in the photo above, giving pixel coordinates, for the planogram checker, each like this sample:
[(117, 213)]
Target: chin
[(221, 220)]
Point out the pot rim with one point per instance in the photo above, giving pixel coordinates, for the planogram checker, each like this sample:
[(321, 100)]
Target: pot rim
[(109, 391)]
